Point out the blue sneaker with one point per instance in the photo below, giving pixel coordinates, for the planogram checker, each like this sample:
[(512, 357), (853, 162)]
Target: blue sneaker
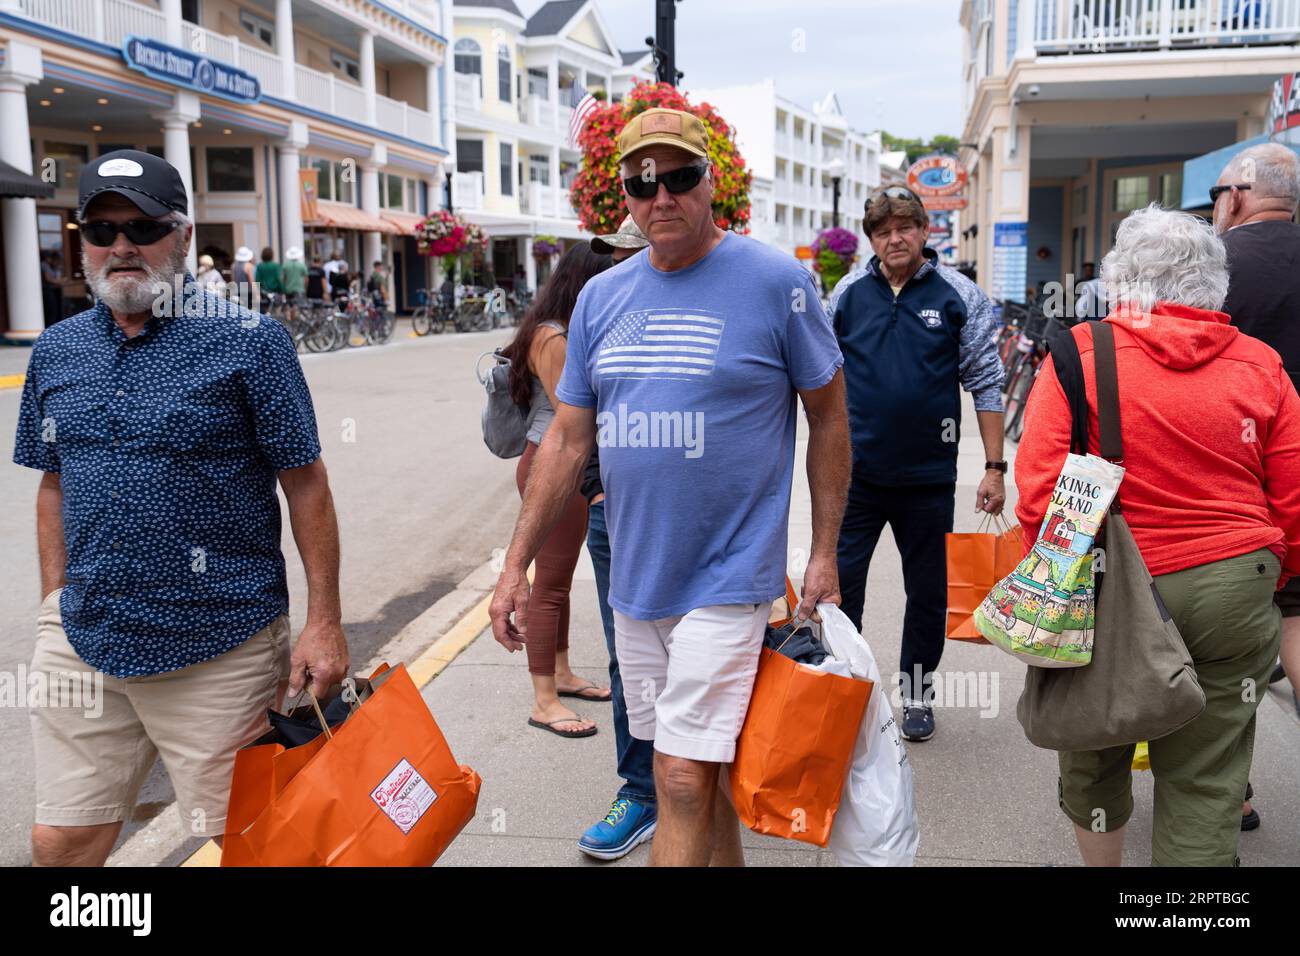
[(627, 825), (918, 720)]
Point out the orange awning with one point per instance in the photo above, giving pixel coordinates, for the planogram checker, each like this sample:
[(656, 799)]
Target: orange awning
[(404, 221), (339, 215)]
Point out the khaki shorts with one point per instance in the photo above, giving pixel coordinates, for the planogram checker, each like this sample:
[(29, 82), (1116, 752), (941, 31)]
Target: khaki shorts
[(96, 737)]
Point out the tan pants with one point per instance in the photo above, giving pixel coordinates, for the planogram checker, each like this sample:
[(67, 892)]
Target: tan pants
[(96, 737)]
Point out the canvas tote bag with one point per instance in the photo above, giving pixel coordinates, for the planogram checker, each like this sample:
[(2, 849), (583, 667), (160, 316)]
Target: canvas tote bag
[(1141, 684)]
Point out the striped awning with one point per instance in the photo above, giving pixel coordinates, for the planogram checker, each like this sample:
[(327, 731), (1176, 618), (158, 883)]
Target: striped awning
[(404, 221), (16, 184), (340, 215)]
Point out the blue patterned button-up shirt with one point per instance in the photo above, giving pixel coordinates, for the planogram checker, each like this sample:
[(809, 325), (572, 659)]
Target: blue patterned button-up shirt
[(167, 446)]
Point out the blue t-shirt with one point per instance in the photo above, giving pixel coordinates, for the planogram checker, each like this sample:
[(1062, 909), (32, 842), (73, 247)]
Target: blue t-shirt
[(693, 375)]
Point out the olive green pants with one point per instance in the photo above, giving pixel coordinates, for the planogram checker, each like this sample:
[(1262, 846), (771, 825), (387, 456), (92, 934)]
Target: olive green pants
[(1232, 629)]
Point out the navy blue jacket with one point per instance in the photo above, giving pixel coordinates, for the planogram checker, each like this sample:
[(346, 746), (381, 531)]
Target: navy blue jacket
[(904, 359)]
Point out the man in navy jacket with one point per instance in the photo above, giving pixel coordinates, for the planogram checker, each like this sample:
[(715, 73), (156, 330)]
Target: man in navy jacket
[(912, 331)]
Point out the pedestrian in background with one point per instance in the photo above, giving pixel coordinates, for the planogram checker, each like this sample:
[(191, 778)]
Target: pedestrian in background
[(1216, 516), (209, 276), (52, 285), (315, 280), (1090, 300), (536, 362), (698, 530), (631, 817), (912, 332), (242, 287), (162, 425), (269, 276), (294, 275), (1255, 203), (377, 285)]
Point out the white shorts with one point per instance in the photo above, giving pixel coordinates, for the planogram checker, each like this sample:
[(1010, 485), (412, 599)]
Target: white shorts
[(687, 679)]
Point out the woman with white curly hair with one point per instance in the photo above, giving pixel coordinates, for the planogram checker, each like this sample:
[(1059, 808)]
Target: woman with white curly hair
[(1211, 429)]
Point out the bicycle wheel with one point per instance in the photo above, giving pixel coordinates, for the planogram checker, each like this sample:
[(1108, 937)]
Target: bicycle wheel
[(1017, 396), (384, 323), (421, 321)]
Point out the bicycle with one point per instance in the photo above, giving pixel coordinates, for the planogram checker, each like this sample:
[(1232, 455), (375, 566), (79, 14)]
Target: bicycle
[(1031, 351), (374, 324), (430, 319)]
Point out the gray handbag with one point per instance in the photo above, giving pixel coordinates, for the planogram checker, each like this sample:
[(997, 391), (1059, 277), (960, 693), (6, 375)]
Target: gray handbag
[(1141, 684), (505, 424)]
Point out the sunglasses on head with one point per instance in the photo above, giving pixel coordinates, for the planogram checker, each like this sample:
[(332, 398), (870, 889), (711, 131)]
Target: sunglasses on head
[(678, 181), (894, 192), (140, 232), (1217, 191)]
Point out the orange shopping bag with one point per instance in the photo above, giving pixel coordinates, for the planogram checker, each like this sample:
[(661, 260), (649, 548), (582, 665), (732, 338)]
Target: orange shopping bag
[(795, 748), (976, 562), (382, 789)]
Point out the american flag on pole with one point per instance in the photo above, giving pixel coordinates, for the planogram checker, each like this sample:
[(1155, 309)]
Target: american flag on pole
[(660, 344), (587, 104)]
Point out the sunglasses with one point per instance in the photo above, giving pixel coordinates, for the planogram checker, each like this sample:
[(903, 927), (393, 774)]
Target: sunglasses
[(678, 181), (1217, 191), (894, 192), (139, 232)]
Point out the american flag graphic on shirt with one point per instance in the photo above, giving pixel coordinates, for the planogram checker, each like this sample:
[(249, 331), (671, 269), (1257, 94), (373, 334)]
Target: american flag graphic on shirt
[(660, 343)]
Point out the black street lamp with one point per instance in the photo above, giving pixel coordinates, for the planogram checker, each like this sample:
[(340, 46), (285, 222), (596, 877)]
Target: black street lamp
[(836, 169)]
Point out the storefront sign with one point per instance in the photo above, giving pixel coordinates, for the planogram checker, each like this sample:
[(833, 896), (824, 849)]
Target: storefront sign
[(1010, 260), (183, 68), (939, 180), (1284, 108)]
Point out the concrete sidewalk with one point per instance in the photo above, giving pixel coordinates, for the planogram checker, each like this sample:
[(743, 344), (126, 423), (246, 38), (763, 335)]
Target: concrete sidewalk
[(984, 795)]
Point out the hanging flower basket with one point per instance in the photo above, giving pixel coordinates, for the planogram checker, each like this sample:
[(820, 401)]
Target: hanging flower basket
[(834, 251), (545, 246)]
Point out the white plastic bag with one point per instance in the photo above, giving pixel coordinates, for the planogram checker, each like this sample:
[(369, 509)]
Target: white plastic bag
[(875, 824)]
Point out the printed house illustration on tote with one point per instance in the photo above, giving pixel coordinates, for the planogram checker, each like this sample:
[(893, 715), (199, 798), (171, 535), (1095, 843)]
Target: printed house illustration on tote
[(1047, 602)]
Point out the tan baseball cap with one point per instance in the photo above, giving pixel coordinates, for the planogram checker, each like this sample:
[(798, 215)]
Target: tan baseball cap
[(627, 237), (669, 127)]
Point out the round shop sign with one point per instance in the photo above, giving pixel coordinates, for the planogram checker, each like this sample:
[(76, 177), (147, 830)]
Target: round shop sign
[(936, 175), (204, 75)]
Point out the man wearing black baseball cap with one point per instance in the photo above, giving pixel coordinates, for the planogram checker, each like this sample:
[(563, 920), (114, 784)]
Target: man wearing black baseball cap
[(162, 419)]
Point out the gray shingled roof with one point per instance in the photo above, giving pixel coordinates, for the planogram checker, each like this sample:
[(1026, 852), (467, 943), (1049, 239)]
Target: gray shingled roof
[(551, 17), (507, 5), (631, 56)]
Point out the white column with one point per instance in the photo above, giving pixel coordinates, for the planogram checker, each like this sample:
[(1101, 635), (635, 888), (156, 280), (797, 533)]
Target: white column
[(367, 64), (553, 87), (445, 18), (175, 32), (431, 90), (371, 243), (22, 67), (530, 265), (1025, 27), (284, 49), (176, 150), (290, 194), (556, 186)]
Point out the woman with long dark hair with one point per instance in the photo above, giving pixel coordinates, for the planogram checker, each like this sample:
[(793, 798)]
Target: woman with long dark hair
[(536, 361)]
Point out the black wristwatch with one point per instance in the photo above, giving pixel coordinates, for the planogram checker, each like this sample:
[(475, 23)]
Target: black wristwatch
[(996, 466)]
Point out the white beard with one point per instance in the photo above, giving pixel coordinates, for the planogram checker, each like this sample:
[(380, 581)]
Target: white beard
[(129, 295)]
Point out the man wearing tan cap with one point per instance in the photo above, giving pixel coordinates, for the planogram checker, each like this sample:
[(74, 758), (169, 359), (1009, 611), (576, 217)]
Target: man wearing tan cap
[(683, 365)]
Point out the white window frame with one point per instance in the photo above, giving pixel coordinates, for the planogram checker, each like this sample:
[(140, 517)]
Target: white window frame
[(252, 24)]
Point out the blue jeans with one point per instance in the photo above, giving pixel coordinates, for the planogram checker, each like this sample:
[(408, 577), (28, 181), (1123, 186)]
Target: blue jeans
[(635, 757)]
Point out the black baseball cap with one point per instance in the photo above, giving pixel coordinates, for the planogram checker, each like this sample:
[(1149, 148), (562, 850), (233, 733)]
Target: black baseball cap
[(149, 181)]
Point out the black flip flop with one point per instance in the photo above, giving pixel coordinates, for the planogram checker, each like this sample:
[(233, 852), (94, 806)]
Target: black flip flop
[(562, 733), (581, 696)]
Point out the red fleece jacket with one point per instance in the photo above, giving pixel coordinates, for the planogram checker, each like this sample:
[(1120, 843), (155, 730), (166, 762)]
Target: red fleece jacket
[(1211, 427)]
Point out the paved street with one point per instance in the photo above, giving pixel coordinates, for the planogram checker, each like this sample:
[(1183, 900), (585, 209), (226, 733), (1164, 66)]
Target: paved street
[(422, 504)]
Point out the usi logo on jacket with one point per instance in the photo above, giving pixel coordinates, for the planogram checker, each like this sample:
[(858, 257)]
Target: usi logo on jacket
[(932, 318)]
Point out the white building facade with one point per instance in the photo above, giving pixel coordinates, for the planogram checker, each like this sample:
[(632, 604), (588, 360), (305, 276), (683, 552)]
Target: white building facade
[(517, 81), (794, 153), (350, 94)]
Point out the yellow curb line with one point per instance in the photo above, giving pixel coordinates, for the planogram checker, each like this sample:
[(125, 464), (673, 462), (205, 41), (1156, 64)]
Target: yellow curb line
[(422, 670), (12, 381)]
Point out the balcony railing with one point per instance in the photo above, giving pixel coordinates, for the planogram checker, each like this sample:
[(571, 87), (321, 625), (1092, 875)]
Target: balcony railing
[(539, 200), (536, 111), (467, 191), (112, 21), (1100, 26)]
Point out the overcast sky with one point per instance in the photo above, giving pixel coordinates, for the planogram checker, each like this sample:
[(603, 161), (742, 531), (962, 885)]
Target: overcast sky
[(896, 64)]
